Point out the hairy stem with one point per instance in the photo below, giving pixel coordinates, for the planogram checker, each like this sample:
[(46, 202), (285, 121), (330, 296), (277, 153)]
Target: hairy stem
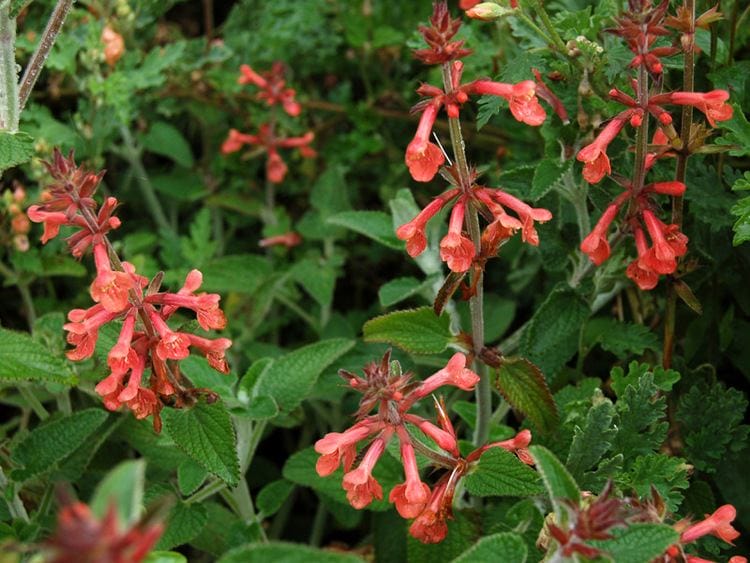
[(688, 85), (34, 403), (476, 303), (9, 110), (34, 67)]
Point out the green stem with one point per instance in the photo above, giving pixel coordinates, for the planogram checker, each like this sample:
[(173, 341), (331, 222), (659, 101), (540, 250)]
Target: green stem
[(208, 490), (13, 276), (132, 154), (528, 21), (688, 85), (33, 402), (15, 504), (9, 110), (291, 305), (318, 525), (550, 27), (483, 392), (47, 40)]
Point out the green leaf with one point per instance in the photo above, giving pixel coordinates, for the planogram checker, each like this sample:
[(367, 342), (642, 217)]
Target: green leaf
[(272, 496), (463, 531), (741, 210), (546, 176), (23, 359), (261, 407), (17, 5), (507, 547), (592, 440), (500, 473), (524, 387), (190, 476), (15, 148), (737, 133), (666, 474), (419, 331), (205, 433), (185, 521), (376, 225), (551, 337), (559, 483), (47, 445), (319, 280), (662, 379), (286, 553), (123, 489), (165, 557), (290, 378), (638, 543), (165, 139), (243, 273), (622, 339), (399, 289)]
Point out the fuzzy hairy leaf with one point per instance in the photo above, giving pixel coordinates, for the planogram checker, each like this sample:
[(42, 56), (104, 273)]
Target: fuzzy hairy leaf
[(243, 273), (376, 225), (205, 433), (741, 210), (505, 546), (15, 148), (622, 339), (190, 476), (47, 445), (551, 337), (185, 521), (399, 289), (165, 139), (286, 552), (524, 387), (711, 420), (419, 331), (667, 474), (736, 133), (593, 438), (558, 481), (23, 359), (123, 489), (546, 176), (662, 379), (638, 543), (463, 531), (500, 473), (319, 280), (289, 379), (272, 496)]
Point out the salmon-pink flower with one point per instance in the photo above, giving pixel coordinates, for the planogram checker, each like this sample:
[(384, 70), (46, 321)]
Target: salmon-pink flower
[(272, 87), (361, 487), (52, 220), (423, 157), (454, 373), (455, 249), (110, 288), (637, 270), (712, 104), (521, 98), (594, 156), (413, 232), (289, 240), (596, 244), (672, 188), (718, 524), (205, 305), (172, 345), (337, 447), (121, 356), (528, 215), (236, 140), (443, 438), (275, 167), (662, 257), (83, 330), (410, 496), (430, 526), (213, 350)]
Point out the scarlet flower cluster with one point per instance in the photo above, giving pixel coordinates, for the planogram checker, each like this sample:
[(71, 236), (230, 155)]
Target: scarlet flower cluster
[(393, 394), (146, 341), (667, 243), (80, 536), (424, 158), (273, 92)]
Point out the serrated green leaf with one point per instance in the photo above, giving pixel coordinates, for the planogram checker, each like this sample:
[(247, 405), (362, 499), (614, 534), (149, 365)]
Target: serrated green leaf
[(500, 473), (319, 280), (546, 176), (49, 444), (463, 531), (551, 337), (205, 433), (243, 273), (185, 521), (593, 438), (15, 148), (373, 224), (662, 379), (666, 474), (272, 496), (622, 339), (507, 547), (741, 210), (558, 481), (638, 543), (489, 106), (190, 476), (202, 375), (525, 389), (165, 139), (290, 378), (23, 359), (419, 331), (399, 289), (73, 467), (286, 552), (122, 488), (737, 133)]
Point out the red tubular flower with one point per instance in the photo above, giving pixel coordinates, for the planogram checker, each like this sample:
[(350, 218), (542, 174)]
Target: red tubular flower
[(673, 188), (596, 244), (545, 93), (526, 213), (213, 350), (289, 240), (594, 155), (236, 140), (637, 270), (83, 330), (110, 288), (718, 524), (521, 97), (712, 104), (430, 526), (454, 373), (272, 87), (172, 345), (336, 447), (455, 249), (410, 497), (360, 486), (423, 157), (668, 245), (445, 439), (413, 232)]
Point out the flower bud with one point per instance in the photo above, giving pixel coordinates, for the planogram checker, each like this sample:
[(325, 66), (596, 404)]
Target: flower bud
[(488, 11)]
